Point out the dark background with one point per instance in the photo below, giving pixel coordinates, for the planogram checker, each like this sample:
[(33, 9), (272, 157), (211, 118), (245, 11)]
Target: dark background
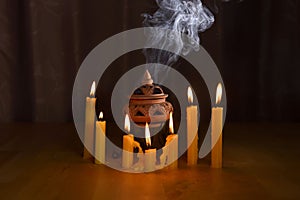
[(255, 44)]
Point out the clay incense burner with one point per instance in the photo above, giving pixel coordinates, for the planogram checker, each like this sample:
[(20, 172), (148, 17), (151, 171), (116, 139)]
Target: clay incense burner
[(148, 104)]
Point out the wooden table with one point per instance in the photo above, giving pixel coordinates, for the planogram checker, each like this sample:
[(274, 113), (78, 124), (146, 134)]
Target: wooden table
[(43, 161)]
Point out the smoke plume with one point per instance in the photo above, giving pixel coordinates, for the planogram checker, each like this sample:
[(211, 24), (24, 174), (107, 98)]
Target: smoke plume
[(187, 18)]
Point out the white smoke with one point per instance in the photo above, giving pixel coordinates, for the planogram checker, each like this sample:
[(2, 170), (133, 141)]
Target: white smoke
[(183, 16)]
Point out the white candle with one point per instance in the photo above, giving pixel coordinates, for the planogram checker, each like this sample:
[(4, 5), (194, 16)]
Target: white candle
[(128, 142), (192, 130), (216, 131), (164, 156), (100, 140), (150, 160), (150, 154), (89, 124), (172, 143)]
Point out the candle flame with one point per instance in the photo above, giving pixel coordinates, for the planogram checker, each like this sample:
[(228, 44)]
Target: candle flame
[(171, 126), (101, 115), (190, 95), (127, 123), (147, 135), (93, 89), (219, 94)]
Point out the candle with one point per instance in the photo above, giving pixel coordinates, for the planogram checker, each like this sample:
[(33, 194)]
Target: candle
[(150, 154), (164, 156), (216, 130), (171, 123), (89, 124), (192, 130), (128, 142), (100, 140), (172, 143)]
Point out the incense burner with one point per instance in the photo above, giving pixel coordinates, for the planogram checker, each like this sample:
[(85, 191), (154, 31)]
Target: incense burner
[(148, 104)]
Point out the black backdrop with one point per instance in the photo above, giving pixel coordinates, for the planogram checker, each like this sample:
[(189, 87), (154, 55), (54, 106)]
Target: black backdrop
[(43, 42)]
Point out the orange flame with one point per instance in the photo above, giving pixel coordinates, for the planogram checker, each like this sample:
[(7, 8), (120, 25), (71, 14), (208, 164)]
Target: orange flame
[(190, 95), (93, 89), (147, 135), (171, 126), (219, 94), (127, 123)]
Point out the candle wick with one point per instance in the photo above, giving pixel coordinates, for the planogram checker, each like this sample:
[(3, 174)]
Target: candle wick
[(148, 145)]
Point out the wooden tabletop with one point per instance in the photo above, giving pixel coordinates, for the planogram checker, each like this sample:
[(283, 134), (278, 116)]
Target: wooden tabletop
[(43, 161)]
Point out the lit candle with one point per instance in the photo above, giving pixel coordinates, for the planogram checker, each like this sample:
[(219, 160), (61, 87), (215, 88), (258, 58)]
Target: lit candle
[(216, 130), (89, 123), (165, 157), (128, 142), (150, 154), (172, 143), (192, 130), (171, 123), (100, 140)]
